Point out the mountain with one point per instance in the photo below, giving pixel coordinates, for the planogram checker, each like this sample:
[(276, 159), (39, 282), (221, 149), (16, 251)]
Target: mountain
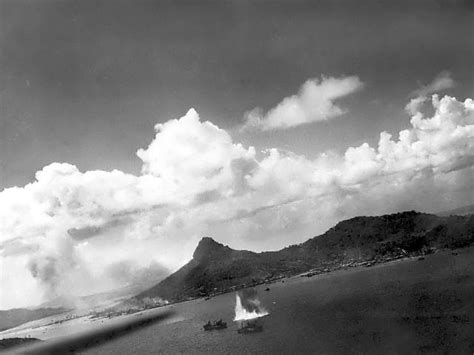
[(14, 317), (213, 265), (216, 268)]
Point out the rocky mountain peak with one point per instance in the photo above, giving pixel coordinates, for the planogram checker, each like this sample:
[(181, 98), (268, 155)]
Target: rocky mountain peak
[(209, 248)]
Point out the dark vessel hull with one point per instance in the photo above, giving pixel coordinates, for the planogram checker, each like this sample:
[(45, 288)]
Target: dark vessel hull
[(248, 330), (215, 327)]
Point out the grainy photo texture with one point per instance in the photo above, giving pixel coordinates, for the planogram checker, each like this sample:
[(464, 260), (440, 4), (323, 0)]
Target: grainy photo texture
[(236, 177)]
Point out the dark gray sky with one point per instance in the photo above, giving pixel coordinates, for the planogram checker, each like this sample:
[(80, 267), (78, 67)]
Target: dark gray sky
[(84, 82)]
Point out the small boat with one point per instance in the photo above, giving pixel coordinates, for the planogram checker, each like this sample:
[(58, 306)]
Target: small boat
[(215, 326), (250, 327)]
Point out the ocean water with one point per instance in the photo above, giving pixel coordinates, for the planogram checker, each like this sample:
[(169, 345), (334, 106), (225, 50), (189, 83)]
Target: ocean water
[(410, 306)]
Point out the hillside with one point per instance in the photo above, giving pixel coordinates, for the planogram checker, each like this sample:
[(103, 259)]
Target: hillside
[(217, 268)]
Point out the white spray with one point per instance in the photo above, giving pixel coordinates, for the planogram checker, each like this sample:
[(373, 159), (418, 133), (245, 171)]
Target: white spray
[(241, 313)]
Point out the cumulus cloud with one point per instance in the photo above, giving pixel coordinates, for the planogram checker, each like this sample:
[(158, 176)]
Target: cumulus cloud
[(442, 81), (196, 157), (73, 232), (314, 102)]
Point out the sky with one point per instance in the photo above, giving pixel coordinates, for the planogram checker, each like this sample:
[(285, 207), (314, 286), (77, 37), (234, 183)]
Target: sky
[(131, 129)]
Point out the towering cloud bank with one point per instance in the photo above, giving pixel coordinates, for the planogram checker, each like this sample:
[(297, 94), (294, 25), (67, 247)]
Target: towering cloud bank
[(68, 230)]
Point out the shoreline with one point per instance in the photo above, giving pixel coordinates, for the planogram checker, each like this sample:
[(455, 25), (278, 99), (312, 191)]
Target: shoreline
[(57, 326)]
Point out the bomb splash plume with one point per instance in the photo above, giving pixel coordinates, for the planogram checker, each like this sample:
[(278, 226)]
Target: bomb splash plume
[(247, 306)]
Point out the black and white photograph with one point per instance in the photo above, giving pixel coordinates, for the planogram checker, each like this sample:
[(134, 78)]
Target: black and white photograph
[(237, 177)]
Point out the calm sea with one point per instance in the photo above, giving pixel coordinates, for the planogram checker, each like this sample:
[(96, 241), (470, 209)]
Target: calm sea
[(411, 306)]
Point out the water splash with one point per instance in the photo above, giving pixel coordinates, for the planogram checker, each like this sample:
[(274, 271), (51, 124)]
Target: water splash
[(241, 313)]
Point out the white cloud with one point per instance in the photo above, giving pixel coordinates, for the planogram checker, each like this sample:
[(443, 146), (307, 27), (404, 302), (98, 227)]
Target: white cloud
[(65, 231), (442, 81), (314, 102), (196, 156)]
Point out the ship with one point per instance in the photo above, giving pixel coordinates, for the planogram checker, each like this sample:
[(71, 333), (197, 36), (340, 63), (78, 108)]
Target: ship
[(250, 327), (217, 325)]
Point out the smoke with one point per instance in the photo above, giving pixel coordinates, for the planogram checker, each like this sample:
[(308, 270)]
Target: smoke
[(55, 267), (46, 271), (127, 272), (247, 305)]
